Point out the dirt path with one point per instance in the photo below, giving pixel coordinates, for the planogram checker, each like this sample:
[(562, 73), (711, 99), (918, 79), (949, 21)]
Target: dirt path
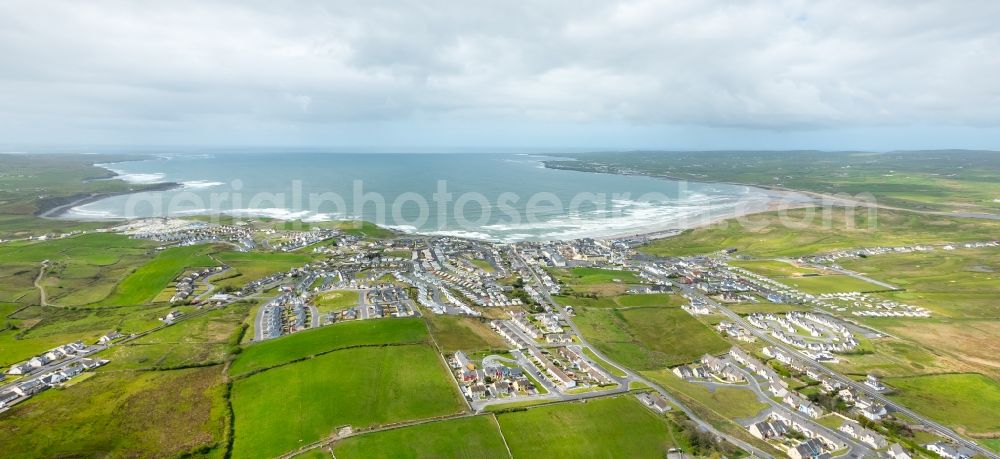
[(38, 284)]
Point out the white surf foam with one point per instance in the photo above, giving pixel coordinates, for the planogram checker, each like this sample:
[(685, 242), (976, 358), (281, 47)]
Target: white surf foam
[(200, 184)]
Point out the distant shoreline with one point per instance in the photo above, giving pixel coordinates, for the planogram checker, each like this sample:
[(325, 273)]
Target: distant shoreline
[(649, 231), (56, 208)]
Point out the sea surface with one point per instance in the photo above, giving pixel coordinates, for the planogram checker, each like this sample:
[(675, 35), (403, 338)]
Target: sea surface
[(507, 197)]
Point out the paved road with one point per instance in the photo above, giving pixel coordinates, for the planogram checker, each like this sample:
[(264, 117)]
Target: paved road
[(937, 428), (856, 449), (632, 376)]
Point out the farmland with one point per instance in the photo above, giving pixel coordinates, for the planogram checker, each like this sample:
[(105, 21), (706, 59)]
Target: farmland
[(454, 333), (337, 300), (774, 268), (584, 430), (81, 269), (648, 338), (321, 394), (474, 437), (121, 414), (146, 282), (839, 283), (314, 342), (623, 301), (805, 233), (198, 341), (959, 283), (250, 266), (40, 328), (727, 402), (967, 401)]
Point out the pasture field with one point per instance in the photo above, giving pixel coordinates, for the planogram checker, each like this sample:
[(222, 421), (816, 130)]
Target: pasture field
[(668, 300), (82, 269), (962, 283), (460, 333), (336, 300), (771, 237), (590, 276), (893, 357), (307, 343), (966, 401), (602, 427), (595, 281), (280, 409), (247, 267), (838, 283), (202, 340), (145, 283), (773, 268), (648, 338), (727, 402), (473, 438), (972, 342), (121, 414)]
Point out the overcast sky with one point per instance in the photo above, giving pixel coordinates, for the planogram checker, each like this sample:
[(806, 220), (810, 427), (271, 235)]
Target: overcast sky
[(575, 74)]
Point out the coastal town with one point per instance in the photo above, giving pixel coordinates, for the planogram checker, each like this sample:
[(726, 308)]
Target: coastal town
[(526, 295)]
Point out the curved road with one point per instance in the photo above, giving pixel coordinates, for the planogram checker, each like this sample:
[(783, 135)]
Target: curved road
[(936, 427), (632, 376)]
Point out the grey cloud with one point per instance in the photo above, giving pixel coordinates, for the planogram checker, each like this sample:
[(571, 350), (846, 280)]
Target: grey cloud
[(759, 65)]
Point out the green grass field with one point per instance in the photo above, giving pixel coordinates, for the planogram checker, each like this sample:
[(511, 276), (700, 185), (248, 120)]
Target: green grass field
[(770, 236), (599, 428), (362, 228), (196, 341), (475, 437), (727, 402), (648, 338), (950, 180), (82, 269), (324, 339), (459, 333), (336, 300), (892, 357), (484, 265), (145, 283), (33, 182), (588, 276), (773, 268), (957, 283), (839, 283), (282, 408), (40, 328), (968, 401), (250, 266), (667, 300), (121, 414), (595, 281)]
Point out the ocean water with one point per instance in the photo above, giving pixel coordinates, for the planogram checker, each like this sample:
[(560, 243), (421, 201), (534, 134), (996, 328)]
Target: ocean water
[(487, 196)]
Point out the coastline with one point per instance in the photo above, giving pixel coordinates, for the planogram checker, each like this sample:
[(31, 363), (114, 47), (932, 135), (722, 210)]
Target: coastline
[(777, 200), (822, 197), (57, 207)]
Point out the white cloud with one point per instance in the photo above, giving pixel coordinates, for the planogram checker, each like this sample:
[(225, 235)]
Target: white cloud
[(112, 66)]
